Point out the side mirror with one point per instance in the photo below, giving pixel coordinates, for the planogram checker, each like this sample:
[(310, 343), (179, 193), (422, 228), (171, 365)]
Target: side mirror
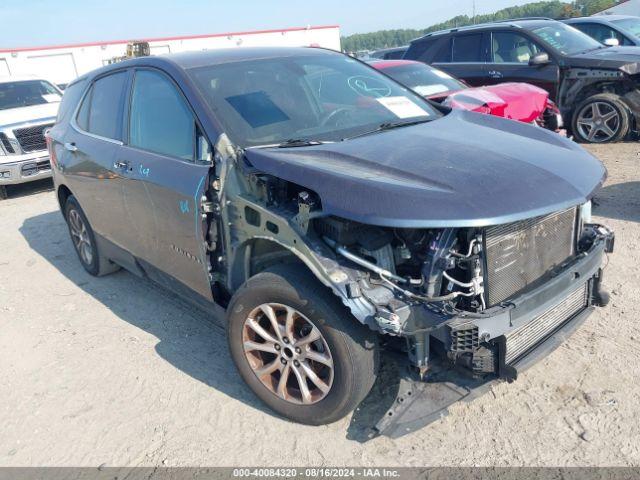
[(541, 58), (611, 42)]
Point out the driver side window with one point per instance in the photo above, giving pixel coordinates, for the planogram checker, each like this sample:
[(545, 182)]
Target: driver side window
[(508, 47), (160, 120)]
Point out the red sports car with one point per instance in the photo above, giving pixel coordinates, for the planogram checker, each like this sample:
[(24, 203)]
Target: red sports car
[(518, 101)]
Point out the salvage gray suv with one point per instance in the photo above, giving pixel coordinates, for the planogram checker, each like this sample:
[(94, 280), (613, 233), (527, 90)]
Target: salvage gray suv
[(333, 213)]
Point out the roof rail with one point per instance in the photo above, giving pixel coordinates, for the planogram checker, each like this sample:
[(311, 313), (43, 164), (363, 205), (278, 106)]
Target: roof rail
[(455, 29), (522, 18), (463, 28)]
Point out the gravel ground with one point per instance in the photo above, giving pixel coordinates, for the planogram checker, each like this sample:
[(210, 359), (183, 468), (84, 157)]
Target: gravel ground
[(115, 371)]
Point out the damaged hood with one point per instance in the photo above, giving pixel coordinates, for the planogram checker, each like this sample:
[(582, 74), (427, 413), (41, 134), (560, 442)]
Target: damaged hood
[(465, 169), (517, 101), (626, 59)]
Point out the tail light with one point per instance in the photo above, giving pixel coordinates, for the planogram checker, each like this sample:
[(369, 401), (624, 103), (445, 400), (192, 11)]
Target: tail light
[(52, 152)]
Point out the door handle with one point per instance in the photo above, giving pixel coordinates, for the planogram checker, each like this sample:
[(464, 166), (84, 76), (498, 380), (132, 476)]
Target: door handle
[(121, 164), (495, 74), (71, 147)]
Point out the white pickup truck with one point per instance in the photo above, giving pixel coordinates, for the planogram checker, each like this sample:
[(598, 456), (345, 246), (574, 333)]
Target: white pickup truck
[(28, 107)]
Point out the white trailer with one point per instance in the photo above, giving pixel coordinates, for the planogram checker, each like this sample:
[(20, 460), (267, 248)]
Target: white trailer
[(63, 63)]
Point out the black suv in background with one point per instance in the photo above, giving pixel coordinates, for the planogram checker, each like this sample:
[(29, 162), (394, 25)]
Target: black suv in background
[(595, 86)]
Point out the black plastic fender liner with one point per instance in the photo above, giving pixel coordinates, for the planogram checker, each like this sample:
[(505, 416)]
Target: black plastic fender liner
[(420, 403)]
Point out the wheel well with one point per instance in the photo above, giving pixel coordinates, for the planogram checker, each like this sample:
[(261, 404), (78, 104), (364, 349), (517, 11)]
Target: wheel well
[(256, 256), (63, 194), (616, 88)]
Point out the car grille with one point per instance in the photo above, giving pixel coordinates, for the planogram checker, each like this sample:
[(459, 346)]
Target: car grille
[(31, 139), (521, 340), (519, 253), (5, 143)]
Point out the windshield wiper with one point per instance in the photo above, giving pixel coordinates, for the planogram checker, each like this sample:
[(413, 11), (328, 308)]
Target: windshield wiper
[(299, 142), (389, 126)]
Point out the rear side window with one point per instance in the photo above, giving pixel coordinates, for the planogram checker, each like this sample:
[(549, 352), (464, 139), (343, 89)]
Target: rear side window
[(160, 120), (443, 54), (70, 100), (467, 48), (101, 110)]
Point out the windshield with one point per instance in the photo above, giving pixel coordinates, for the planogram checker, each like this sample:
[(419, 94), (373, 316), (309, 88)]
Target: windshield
[(566, 39), (320, 97), (631, 25), (423, 79), (26, 93)]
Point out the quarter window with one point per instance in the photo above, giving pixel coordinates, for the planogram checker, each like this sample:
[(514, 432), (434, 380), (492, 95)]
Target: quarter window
[(101, 110), (468, 48), (160, 120), (510, 47)]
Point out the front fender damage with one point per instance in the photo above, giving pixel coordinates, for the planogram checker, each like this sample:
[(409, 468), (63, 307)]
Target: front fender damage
[(247, 219), (580, 83)]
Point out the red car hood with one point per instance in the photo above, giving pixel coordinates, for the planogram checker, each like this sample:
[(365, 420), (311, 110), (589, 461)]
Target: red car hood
[(517, 101)]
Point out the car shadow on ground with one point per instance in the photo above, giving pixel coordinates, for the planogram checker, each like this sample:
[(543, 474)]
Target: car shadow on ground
[(25, 189), (190, 339), (620, 201)]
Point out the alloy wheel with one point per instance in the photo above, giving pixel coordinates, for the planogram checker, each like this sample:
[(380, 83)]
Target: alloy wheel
[(598, 122), (288, 353), (80, 237)]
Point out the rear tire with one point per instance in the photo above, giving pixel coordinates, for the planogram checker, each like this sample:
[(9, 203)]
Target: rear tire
[(289, 293), (601, 118), (84, 240), (3, 192)]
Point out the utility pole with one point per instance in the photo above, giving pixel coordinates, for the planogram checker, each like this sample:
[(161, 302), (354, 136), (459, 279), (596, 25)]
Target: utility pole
[(474, 12)]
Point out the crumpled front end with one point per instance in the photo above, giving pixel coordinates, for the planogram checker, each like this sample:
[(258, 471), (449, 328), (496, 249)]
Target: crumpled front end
[(516, 101), (471, 306)]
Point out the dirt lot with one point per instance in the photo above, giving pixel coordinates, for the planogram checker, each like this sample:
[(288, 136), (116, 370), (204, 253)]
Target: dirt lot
[(115, 371)]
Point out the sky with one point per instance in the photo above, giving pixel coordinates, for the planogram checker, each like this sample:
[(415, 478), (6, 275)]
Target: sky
[(26, 23)]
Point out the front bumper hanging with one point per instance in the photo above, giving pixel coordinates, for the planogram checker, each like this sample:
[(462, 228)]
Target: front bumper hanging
[(538, 322), (419, 403)]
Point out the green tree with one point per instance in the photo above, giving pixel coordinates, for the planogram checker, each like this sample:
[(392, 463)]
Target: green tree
[(550, 9)]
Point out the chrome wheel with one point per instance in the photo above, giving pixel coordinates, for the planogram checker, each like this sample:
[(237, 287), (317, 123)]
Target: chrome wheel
[(598, 122), (80, 237), (287, 353)]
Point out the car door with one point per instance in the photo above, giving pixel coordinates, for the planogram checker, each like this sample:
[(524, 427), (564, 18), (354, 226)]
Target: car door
[(510, 53), (166, 170), (465, 57), (90, 150)]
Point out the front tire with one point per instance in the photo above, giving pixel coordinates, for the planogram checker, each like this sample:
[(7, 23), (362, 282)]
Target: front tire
[(601, 118), (84, 240), (298, 348)]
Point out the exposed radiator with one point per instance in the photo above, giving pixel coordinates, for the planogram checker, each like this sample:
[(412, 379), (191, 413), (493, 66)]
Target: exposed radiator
[(519, 253), (519, 341)]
